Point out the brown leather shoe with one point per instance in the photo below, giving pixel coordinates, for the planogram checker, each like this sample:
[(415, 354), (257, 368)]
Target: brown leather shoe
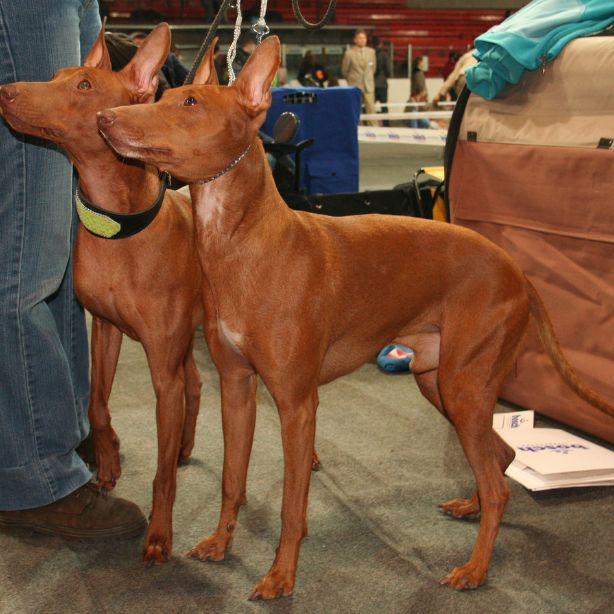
[(87, 513)]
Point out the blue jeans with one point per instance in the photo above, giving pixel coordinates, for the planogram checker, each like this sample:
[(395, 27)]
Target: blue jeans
[(43, 339), (419, 123)]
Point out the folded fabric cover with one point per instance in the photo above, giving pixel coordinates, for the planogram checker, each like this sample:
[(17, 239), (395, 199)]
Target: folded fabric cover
[(532, 37)]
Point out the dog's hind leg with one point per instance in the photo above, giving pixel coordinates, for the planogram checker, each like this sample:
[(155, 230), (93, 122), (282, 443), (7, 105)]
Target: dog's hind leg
[(459, 508), (474, 362), (425, 368), (428, 384), (193, 386), (106, 344), (464, 508), (493, 493)]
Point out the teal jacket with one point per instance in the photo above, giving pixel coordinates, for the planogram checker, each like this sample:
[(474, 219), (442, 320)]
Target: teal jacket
[(532, 37)]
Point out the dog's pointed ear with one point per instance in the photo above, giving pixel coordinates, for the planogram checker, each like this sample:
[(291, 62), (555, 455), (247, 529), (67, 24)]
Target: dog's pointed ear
[(206, 73), (142, 70), (98, 55), (255, 79)]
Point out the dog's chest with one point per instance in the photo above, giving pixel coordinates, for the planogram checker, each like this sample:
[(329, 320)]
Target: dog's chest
[(230, 335), (210, 212)]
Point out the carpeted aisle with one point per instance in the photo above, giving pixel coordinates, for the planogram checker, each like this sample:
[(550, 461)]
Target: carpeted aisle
[(377, 542)]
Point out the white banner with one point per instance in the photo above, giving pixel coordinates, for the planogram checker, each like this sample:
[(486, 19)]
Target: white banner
[(408, 115), (413, 136)]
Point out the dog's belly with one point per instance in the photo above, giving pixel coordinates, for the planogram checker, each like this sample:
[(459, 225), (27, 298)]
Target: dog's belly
[(347, 354)]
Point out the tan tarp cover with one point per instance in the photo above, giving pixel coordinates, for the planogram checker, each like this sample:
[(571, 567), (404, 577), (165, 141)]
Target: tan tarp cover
[(536, 184)]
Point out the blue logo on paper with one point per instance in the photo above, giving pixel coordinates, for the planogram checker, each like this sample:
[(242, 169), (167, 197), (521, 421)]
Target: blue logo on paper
[(561, 448), (517, 421)]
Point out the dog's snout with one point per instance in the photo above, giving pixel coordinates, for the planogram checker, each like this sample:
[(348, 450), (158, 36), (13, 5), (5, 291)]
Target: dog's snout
[(105, 119), (8, 93)]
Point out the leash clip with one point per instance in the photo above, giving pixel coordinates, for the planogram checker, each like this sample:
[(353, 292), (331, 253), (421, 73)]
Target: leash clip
[(261, 29)]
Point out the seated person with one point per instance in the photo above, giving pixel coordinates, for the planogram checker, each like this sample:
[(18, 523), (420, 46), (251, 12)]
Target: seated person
[(310, 72)]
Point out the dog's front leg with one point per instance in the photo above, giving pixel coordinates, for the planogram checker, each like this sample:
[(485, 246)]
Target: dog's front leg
[(238, 421), (169, 383), (106, 344), (298, 421)]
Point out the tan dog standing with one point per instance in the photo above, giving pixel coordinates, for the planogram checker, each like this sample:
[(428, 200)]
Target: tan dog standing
[(301, 300), (147, 285)]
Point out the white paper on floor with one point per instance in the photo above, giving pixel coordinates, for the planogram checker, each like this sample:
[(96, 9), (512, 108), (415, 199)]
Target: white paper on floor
[(552, 458)]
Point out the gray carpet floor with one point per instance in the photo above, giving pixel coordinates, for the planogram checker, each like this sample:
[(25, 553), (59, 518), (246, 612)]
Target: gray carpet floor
[(376, 543)]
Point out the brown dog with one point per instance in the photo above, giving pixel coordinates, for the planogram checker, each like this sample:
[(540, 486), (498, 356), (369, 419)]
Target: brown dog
[(291, 296), (147, 285)]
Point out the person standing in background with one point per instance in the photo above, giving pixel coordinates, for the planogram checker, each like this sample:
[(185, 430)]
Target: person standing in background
[(382, 74), (418, 92), (455, 82), (358, 69), (449, 65), (44, 385)]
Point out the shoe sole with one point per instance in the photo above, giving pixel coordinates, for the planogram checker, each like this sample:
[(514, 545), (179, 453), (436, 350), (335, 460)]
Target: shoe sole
[(126, 532)]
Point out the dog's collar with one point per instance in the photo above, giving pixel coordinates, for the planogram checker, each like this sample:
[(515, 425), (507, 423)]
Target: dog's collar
[(227, 168), (110, 225)]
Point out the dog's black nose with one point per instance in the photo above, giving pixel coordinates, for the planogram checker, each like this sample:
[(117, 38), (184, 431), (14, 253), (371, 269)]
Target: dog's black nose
[(105, 119), (8, 93)]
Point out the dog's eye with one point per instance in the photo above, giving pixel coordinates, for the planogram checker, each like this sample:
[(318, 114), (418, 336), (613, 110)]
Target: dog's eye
[(190, 101), (84, 85)]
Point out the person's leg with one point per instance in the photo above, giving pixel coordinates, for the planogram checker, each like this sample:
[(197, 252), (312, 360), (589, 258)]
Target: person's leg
[(369, 102), (381, 95), (43, 366)]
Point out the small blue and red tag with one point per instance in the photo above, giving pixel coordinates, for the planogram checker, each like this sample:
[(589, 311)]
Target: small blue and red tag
[(395, 358)]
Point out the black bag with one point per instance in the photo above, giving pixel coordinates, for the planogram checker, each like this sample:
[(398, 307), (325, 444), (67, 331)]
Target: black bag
[(389, 202), (423, 190)]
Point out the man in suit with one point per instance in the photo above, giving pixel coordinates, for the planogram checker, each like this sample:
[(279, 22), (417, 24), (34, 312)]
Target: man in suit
[(358, 68)]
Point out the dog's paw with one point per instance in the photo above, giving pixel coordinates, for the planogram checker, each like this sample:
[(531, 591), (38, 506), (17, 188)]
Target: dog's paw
[(461, 508), (212, 548), (183, 460), (463, 577), (277, 583), (108, 465), (156, 550), (108, 470), (185, 454)]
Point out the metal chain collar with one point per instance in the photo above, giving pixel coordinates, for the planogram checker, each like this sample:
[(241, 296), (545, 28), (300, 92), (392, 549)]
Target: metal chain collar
[(227, 168)]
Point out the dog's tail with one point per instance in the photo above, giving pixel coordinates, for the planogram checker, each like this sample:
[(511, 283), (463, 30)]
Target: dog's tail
[(553, 349)]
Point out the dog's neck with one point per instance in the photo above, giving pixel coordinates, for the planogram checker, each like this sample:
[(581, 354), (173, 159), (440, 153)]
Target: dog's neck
[(228, 208), (114, 184)]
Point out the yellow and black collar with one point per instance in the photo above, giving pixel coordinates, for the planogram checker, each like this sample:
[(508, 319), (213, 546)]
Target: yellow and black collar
[(110, 225)]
